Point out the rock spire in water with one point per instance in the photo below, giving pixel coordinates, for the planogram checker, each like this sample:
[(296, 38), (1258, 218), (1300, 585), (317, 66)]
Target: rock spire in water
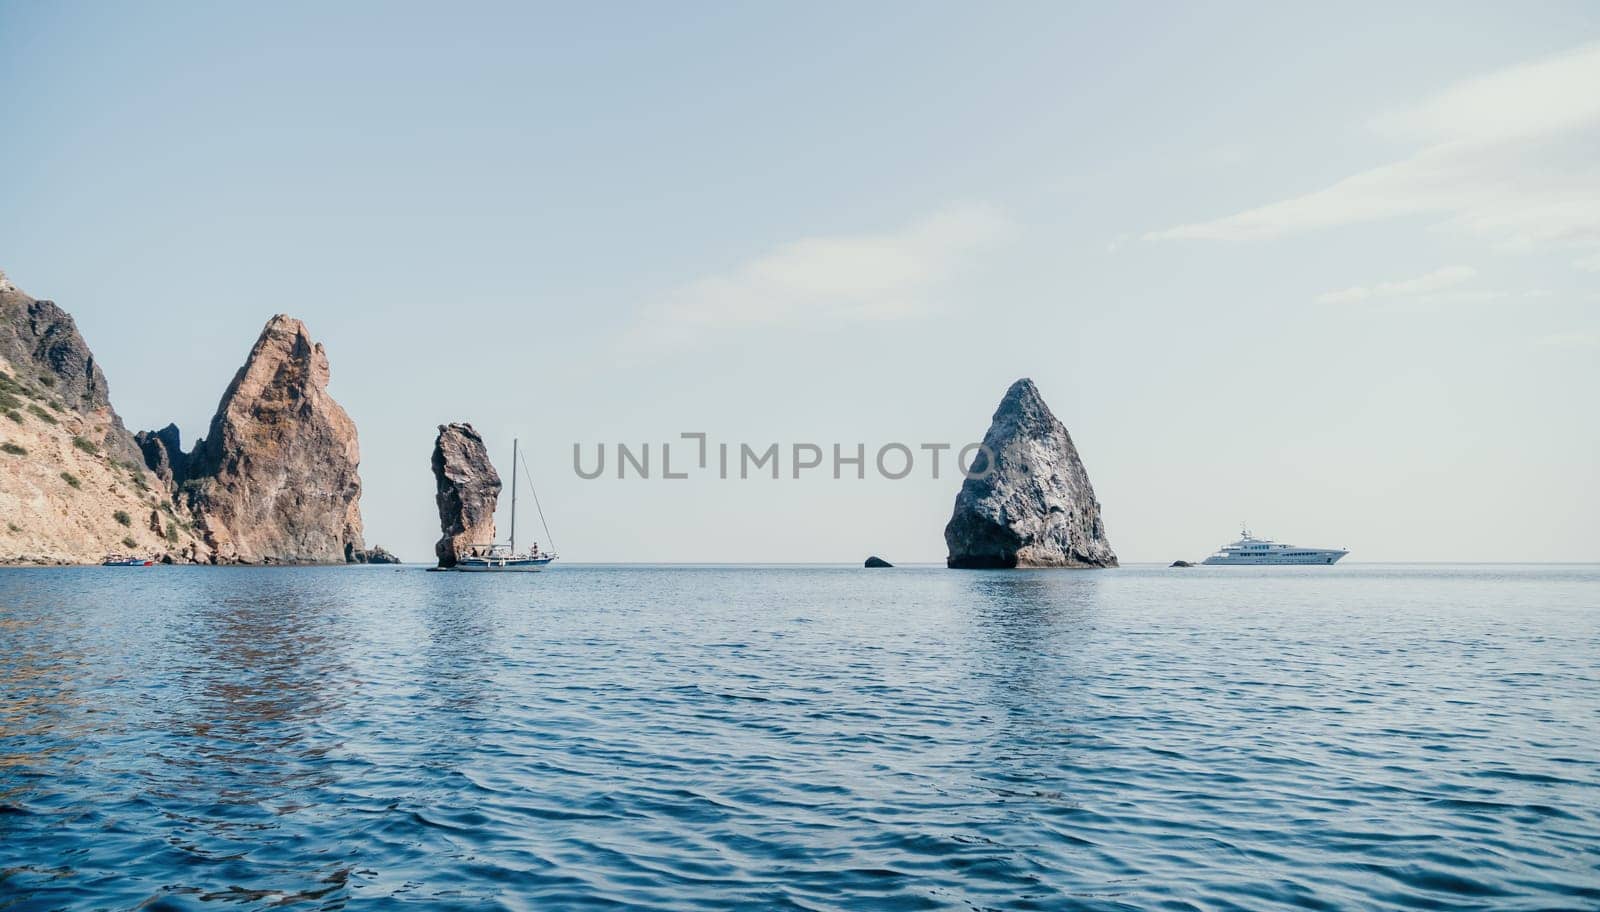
[(468, 489), (1035, 506)]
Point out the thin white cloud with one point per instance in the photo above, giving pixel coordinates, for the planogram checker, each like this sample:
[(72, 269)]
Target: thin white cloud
[(1421, 286), (1509, 156), (1550, 95), (830, 279)]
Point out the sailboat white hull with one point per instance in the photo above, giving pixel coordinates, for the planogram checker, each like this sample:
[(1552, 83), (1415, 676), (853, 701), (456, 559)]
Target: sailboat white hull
[(503, 564)]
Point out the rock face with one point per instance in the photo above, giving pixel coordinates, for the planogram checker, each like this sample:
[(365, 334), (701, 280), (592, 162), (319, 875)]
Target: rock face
[(875, 561), (468, 489), (40, 335), (163, 454), (377, 554), (72, 485), (40, 341), (1034, 505), (275, 479)]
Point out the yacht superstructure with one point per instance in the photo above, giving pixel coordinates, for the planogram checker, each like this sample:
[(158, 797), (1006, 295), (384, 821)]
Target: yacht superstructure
[(1251, 550)]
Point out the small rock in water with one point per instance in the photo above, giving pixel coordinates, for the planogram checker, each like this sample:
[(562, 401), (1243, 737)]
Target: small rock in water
[(377, 554), (876, 561), (1180, 563)]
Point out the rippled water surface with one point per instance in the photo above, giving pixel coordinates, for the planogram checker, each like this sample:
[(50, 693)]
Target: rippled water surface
[(804, 738)]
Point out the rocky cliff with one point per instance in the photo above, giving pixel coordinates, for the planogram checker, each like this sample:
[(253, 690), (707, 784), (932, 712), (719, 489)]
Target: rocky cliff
[(41, 342), (468, 490), (275, 479), (1034, 505), (72, 485)]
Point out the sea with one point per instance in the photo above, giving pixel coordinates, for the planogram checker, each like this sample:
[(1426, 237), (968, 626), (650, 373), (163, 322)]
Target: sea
[(801, 737)]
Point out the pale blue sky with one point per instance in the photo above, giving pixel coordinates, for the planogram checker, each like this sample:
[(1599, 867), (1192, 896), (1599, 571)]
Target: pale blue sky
[(1332, 270)]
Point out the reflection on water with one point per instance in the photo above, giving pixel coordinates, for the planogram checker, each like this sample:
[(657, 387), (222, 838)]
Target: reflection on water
[(249, 679), (459, 653), (1030, 630), (33, 704), (799, 738), (243, 692), (1028, 613)]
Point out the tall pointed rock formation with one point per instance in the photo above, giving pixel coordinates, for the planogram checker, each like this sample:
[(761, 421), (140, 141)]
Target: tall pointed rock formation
[(275, 479), (1033, 505), (468, 488)]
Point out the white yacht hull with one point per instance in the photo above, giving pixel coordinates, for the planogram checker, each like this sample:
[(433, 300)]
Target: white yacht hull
[(1250, 551), (1304, 556)]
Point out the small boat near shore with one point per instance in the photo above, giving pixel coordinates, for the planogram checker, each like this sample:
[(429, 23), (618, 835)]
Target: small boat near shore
[(126, 560)]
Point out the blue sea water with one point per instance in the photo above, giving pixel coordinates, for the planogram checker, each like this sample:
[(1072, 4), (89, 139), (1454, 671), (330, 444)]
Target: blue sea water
[(801, 738)]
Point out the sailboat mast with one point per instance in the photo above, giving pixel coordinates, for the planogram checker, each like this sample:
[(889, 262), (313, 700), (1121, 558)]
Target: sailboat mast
[(513, 495)]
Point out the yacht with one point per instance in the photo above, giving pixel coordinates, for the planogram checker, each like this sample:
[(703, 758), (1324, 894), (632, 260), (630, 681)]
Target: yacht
[(1251, 550), (505, 558)]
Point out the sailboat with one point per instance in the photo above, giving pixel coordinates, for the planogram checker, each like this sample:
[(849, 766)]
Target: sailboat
[(504, 558)]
